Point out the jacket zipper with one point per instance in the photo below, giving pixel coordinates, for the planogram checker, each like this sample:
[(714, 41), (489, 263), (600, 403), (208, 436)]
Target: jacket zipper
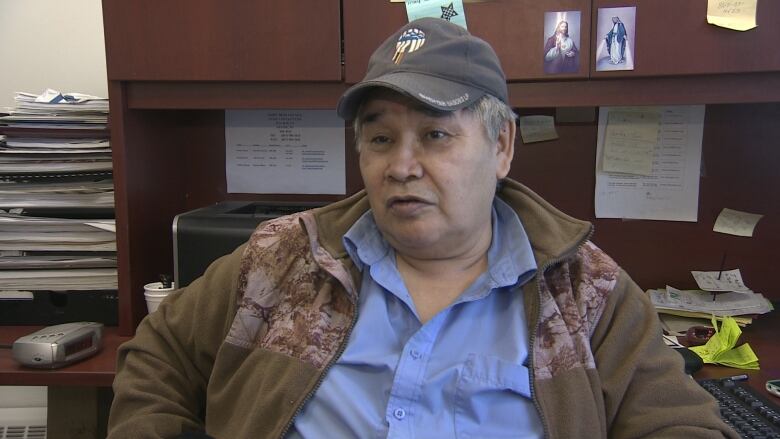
[(537, 316), (342, 348)]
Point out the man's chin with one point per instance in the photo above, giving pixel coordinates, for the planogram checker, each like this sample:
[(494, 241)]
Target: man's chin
[(412, 241)]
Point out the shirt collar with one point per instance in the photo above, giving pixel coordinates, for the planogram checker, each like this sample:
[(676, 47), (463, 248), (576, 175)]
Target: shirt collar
[(508, 259)]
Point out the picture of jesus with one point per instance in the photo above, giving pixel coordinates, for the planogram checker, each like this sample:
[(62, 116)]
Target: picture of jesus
[(561, 52)]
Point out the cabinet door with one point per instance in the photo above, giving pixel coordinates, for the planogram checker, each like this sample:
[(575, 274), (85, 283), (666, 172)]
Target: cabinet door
[(223, 40), (674, 38), (515, 29)]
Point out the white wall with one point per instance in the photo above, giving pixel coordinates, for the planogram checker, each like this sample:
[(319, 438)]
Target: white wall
[(51, 44)]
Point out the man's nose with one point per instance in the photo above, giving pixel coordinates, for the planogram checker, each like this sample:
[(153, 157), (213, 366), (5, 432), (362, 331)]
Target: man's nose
[(404, 163)]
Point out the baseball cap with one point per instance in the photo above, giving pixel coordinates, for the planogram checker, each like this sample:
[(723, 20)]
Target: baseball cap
[(435, 62)]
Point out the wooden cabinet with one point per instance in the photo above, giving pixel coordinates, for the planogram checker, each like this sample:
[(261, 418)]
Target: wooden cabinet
[(228, 40), (674, 38), (515, 29), (173, 70)]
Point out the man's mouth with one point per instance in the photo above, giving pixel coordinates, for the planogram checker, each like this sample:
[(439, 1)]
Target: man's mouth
[(406, 204)]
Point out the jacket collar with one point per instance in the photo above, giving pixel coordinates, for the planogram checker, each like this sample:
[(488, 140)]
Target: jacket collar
[(552, 233)]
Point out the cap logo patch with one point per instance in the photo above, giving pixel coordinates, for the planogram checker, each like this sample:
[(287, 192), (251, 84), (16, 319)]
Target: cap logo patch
[(408, 42)]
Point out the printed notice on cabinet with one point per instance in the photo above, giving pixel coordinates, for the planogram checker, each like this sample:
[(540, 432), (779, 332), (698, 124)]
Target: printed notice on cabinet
[(284, 152), (669, 188)]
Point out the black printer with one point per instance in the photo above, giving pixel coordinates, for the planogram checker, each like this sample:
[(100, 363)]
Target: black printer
[(202, 235)]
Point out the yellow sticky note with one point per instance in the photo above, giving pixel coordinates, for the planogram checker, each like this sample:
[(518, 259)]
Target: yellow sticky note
[(721, 349), (732, 14)]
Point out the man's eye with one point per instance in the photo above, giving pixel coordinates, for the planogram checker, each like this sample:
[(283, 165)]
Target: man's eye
[(436, 134), (380, 139)]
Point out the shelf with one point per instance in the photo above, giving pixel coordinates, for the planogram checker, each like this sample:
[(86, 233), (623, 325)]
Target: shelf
[(98, 370), (673, 90)]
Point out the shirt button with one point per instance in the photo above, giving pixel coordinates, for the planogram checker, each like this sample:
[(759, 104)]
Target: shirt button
[(415, 354), (399, 414)]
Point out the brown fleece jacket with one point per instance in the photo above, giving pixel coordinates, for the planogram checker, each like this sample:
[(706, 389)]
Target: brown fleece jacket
[(240, 351)]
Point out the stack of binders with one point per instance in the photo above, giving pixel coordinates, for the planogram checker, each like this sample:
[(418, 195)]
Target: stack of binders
[(57, 231)]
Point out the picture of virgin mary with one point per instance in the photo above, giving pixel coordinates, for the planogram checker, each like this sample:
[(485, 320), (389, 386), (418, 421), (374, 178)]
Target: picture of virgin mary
[(615, 39)]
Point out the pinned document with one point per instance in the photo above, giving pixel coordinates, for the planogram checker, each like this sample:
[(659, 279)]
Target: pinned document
[(734, 222), (450, 10), (671, 191), (537, 128), (730, 280), (284, 152), (732, 14)]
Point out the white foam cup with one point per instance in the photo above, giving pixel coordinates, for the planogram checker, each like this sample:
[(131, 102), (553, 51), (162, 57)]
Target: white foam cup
[(154, 293)]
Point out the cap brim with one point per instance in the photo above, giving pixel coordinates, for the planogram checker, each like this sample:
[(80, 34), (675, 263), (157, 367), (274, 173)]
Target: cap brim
[(431, 91)]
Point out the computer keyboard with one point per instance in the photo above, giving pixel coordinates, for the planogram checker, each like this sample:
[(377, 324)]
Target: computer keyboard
[(752, 415)]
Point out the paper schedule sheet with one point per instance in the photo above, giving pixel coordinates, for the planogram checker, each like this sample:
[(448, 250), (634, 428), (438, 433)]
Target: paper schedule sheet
[(284, 152), (669, 189)]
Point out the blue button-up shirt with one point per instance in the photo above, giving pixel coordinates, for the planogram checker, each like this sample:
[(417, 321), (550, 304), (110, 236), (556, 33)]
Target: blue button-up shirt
[(461, 374)]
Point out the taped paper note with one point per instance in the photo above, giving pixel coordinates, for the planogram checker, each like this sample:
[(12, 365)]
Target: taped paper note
[(450, 10), (732, 14), (734, 222), (537, 128)]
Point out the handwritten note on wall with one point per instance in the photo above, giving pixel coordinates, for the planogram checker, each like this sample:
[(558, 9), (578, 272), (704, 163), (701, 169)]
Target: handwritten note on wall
[(537, 128), (734, 222), (630, 141), (732, 14)]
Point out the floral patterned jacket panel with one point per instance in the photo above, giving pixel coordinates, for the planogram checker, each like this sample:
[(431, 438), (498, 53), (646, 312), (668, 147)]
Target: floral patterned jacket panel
[(295, 299), (573, 296), (288, 301)]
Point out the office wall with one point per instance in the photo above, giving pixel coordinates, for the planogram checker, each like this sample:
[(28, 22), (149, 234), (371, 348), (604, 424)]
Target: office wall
[(51, 44)]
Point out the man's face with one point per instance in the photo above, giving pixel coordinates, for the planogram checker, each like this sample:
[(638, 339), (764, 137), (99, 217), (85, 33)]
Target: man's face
[(563, 28), (430, 177)]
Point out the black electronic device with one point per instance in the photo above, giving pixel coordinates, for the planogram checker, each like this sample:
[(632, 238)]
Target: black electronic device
[(744, 409), (693, 361), (202, 235), (56, 307)]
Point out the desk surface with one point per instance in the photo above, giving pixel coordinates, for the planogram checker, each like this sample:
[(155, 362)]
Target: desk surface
[(94, 371)]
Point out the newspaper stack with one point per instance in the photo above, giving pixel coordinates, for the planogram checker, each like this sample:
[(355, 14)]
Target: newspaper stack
[(721, 294)]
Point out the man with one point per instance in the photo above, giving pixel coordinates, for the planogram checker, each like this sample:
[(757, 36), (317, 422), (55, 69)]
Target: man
[(426, 306)]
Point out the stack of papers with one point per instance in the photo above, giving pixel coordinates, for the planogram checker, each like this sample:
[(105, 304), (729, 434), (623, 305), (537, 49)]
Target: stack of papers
[(26, 233), (55, 168), (59, 110), (43, 148), (64, 193), (721, 294), (722, 347), (57, 254), (59, 280)]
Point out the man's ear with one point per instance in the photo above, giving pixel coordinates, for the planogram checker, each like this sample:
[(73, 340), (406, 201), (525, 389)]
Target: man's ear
[(505, 148)]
